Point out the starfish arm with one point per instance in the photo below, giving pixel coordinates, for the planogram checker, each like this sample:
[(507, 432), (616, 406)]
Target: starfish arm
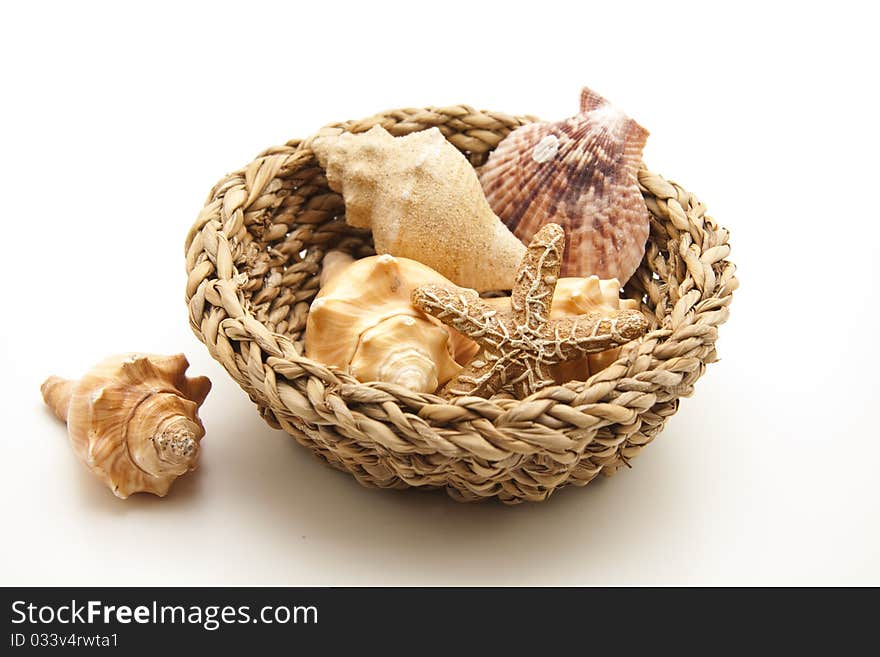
[(485, 374), (463, 310), (569, 338), (533, 377), (536, 277)]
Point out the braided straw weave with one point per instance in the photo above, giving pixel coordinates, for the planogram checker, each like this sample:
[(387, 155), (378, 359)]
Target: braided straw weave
[(253, 258)]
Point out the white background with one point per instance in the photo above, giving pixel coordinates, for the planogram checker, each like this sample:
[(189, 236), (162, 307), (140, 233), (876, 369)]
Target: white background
[(116, 122)]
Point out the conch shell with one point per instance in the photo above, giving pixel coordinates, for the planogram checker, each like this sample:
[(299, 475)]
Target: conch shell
[(133, 420), (580, 173), (422, 200), (362, 321), (581, 296)]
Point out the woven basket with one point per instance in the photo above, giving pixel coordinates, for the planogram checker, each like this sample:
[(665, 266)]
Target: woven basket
[(253, 258)]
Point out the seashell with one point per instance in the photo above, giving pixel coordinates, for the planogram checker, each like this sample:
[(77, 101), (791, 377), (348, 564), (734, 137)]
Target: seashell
[(362, 321), (422, 200), (581, 296), (580, 173), (133, 420), (332, 263)]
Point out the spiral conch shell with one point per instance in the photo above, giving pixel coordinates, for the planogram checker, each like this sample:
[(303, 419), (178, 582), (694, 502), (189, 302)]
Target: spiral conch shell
[(581, 296), (422, 200), (580, 173), (362, 321), (133, 420)]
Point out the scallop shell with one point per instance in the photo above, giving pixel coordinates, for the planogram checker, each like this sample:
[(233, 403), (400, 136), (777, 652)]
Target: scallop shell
[(580, 173), (363, 322)]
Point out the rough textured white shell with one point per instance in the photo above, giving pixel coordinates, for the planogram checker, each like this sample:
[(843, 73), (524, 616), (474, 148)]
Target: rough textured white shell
[(421, 199)]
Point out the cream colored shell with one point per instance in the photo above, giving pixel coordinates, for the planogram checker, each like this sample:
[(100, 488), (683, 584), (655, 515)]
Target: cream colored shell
[(133, 420), (422, 200), (362, 322)]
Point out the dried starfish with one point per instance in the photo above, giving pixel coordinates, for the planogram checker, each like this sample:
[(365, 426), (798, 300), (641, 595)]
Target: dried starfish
[(518, 346)]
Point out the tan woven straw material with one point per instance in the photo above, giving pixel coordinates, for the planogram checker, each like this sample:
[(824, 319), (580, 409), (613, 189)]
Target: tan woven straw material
[(253, 258)]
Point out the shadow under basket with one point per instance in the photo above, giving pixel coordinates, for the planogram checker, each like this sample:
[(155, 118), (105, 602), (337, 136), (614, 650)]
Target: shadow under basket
[(253, 258)]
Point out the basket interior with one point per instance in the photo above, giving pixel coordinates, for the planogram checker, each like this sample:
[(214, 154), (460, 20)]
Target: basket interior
[(298, 219)]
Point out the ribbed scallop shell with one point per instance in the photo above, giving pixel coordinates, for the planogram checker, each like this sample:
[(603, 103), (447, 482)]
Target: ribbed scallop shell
[(580, 173)]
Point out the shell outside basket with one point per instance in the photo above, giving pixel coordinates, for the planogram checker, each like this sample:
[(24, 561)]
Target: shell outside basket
[(253, 258)]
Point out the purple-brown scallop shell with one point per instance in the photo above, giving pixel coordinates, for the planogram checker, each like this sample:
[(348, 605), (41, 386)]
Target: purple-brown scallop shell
[(580, 173)]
